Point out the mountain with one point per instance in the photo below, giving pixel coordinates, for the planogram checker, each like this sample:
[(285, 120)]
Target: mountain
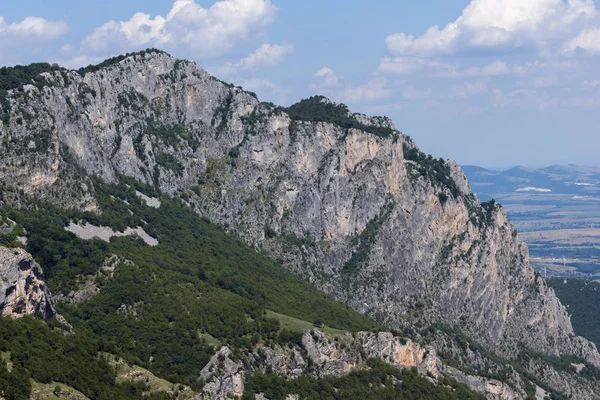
[(155, 147), (556, 179)]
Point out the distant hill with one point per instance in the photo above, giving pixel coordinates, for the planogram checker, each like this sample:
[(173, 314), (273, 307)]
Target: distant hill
[(558, 179)]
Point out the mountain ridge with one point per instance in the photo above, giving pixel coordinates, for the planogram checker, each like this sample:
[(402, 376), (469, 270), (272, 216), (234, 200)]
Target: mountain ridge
[(367, 218)]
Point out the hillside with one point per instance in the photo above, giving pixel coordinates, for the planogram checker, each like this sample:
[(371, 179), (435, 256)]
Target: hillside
[(581, 299), (231, 203)]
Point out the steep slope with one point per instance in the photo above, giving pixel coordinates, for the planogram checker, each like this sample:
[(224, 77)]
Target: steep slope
[(581, 297), (157, 313), (23, 290), (343, 200)]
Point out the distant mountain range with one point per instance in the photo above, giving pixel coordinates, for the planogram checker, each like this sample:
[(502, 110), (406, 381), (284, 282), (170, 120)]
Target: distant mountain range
[(558, 179)]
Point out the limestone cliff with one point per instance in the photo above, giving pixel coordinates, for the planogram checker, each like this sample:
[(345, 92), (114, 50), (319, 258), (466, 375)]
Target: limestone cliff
[(353, 207), (334, 355), (23, 290)]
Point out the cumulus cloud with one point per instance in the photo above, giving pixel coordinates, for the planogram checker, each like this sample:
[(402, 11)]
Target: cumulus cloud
[(30, 30), (500, 26), (18, 40), (189, 27), (588, 41), (326, 78), (267, 55)]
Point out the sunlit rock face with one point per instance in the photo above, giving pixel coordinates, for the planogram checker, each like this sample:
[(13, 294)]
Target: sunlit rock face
[(356, 210)]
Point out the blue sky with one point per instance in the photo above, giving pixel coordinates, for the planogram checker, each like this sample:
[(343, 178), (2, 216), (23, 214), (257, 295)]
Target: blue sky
[(488, 82)]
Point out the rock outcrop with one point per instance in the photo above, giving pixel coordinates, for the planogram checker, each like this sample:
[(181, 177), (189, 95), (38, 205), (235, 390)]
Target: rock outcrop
[(335, 355), (357, 210), (23, 290)]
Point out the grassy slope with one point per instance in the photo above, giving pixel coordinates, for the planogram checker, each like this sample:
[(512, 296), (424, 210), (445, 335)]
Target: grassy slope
[(301, 326), (47, 391)]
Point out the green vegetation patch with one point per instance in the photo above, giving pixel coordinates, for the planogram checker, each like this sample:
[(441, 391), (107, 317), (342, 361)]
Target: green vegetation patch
[(582, 298), (437, 171), (380, 381), (319, 109), (301, 326), (365, 241), (48, 356), (115, 60), (54, 391), (19, 75), (199, 279)]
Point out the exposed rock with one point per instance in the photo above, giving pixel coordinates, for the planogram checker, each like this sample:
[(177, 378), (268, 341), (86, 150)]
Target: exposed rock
[(88, 231), (23, 290), (6, 227), (90, 287), (492, 388), (223, 376), (381, 227), (334, 355), (150, 201)]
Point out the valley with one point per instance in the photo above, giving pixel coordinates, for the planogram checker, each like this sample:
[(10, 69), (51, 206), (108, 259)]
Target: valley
[(556, 211)]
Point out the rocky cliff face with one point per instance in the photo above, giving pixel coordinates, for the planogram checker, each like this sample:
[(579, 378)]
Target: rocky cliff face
[(325, 355), (23, 290), (358, 211)]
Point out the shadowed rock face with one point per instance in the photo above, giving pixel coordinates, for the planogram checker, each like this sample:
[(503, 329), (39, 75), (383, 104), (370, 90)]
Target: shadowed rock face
[(364, 216), (23, 290)]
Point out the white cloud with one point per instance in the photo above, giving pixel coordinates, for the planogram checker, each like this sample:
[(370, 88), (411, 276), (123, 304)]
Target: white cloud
[(31, 29), (503, 26), (588, 41), (20, 40), (199, 32), (327, 79), (267, 55)]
